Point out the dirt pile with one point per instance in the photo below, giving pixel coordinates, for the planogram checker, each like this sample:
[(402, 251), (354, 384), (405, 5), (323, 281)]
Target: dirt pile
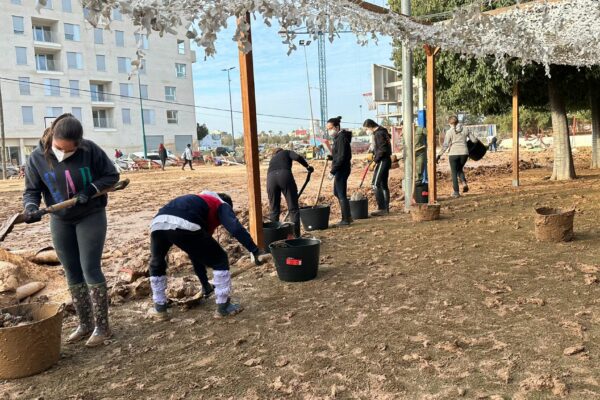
[(8, 320)]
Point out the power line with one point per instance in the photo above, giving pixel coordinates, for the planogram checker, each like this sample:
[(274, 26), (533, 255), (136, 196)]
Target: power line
[(17, 81)]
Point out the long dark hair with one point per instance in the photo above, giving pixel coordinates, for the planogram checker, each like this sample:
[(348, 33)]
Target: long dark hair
[(369, 123), (335, 121), (65, 127)]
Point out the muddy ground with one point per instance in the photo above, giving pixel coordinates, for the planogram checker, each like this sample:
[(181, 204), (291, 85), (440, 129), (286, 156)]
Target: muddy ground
[(470, 306)]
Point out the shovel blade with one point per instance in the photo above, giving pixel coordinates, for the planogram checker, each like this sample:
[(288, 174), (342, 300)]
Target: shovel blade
[(9, 225)]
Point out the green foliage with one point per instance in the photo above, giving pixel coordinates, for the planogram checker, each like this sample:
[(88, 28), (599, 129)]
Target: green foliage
[(201, 131), (531, 121)]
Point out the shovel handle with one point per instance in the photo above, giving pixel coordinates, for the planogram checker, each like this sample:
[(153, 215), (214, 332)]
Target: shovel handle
[(321, 184)]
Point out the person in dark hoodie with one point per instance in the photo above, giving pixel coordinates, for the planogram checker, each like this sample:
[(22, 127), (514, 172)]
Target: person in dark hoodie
[(341, 165), (189, 222), (281, 180), (63, 166), (383, 160)]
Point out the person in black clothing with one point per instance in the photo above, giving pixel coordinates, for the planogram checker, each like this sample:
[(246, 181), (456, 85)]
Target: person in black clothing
[(63, 166), (383, 160), (281, 180), (162, 155), (341, 166)]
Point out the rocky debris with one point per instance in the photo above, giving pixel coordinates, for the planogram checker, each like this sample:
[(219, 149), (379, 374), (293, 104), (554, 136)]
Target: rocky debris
[(253, 362), (179, 288), (8, 320), (141, 289), (571, 351), (356, 196), (544, 382)]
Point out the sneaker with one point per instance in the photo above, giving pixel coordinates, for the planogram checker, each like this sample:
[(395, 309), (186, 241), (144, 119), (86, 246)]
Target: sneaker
[(379, 213), (159, 312), (455, 195), (228, 309), (465, 188)]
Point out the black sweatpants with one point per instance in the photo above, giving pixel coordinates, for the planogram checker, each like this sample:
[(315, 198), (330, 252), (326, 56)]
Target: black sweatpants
[(381, 177), (202, 249), (457, 163), (278, 182), (186, 162), (340, 190)]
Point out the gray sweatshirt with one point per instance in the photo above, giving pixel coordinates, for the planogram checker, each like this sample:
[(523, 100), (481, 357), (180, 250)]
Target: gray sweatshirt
[(456, 141)]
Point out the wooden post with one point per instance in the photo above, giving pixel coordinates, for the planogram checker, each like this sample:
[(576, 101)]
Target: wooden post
[(431, 128), (515, 129), (251, 142)]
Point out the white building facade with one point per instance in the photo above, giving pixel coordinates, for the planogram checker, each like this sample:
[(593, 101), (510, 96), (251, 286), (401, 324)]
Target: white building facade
[(56, 62)]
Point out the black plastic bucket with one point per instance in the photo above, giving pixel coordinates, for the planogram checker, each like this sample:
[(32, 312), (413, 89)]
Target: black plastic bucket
[(421, 194), (476, 150), (274, 231), (359, 209), (315, 218), (296, 260)]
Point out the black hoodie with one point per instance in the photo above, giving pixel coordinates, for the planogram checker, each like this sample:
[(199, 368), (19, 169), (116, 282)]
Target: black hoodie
[(341, 152), (59, 181)]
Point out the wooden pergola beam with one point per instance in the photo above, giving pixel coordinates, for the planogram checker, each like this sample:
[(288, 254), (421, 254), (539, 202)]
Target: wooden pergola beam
[(431, 52), (251, 142), (515, 135)]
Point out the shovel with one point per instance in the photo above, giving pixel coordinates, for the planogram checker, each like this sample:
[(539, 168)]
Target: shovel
[(321, 184), (20, 218), (300, 192)]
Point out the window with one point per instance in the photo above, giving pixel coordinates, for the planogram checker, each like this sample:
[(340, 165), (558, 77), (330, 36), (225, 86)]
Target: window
[(117, 16), (42, 33), (45, 62), (126, 112), (98, 35), (86, 12), (100, 119), (27, 114), (54, 111), (180, 69), (24, 86), (21, 55), (144, 91), (74, 88), (66, 7), (126, 89), (124, 65), (74, 60), (100, 62), (149, 117), (172, 116), (98, 92), (141, 41), (72, 32), (52, 87), (120, 38), (76, 111), (180, 46), (18, 25), (170, 93)]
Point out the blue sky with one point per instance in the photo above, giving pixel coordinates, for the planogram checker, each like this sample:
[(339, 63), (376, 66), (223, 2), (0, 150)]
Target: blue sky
[(280, 80)]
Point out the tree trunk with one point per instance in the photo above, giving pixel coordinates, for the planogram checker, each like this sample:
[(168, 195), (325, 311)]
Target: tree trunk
[(595, 107), (564, 169)]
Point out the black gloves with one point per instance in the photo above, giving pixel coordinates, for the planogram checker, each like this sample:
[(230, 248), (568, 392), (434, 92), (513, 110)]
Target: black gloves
[(32, 214), (437, 159), (330, 157), (86, 194), (310, 169), (259, 257)]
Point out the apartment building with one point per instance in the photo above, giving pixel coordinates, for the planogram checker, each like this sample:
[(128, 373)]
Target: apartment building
[(56, 62)]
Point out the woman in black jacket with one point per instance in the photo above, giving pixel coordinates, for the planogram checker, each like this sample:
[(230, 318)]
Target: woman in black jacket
[(64, 166), (383, 160), (341, 165)]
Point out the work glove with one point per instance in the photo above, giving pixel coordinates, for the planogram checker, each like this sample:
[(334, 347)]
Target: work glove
[(330, 157), (437, 159), (86, 194), (310, 169), (31, 214), (259, 257), (330, 176)]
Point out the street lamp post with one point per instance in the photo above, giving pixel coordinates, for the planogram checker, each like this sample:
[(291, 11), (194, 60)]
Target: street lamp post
[(230, 104), (305, 43), (141, 110)]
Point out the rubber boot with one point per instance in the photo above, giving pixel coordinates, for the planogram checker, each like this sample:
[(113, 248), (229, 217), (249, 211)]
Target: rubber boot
[(346, 217), (159, 297), (228, 309), (99, 295), (83, 307)]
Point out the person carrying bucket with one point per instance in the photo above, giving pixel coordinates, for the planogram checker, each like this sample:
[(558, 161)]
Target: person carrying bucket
[(382, 157), (189, 222), (455, 143), (281, 180), (63, 166), (341, 156)]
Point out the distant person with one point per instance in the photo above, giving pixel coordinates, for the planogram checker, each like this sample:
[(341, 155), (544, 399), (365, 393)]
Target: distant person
[(455, 143), (187, 157), (382, 156), (494, 144), (118, 154), (162, 154), (341, 166), (281, 180)]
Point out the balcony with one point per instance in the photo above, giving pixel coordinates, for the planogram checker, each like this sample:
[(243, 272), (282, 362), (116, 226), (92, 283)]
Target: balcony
[(45, 39), (102, 99), (46, 65), (102, 123)]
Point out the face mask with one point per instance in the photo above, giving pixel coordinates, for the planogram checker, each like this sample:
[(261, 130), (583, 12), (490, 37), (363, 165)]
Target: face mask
[(369, 131), (61, 155), (332, 131)]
